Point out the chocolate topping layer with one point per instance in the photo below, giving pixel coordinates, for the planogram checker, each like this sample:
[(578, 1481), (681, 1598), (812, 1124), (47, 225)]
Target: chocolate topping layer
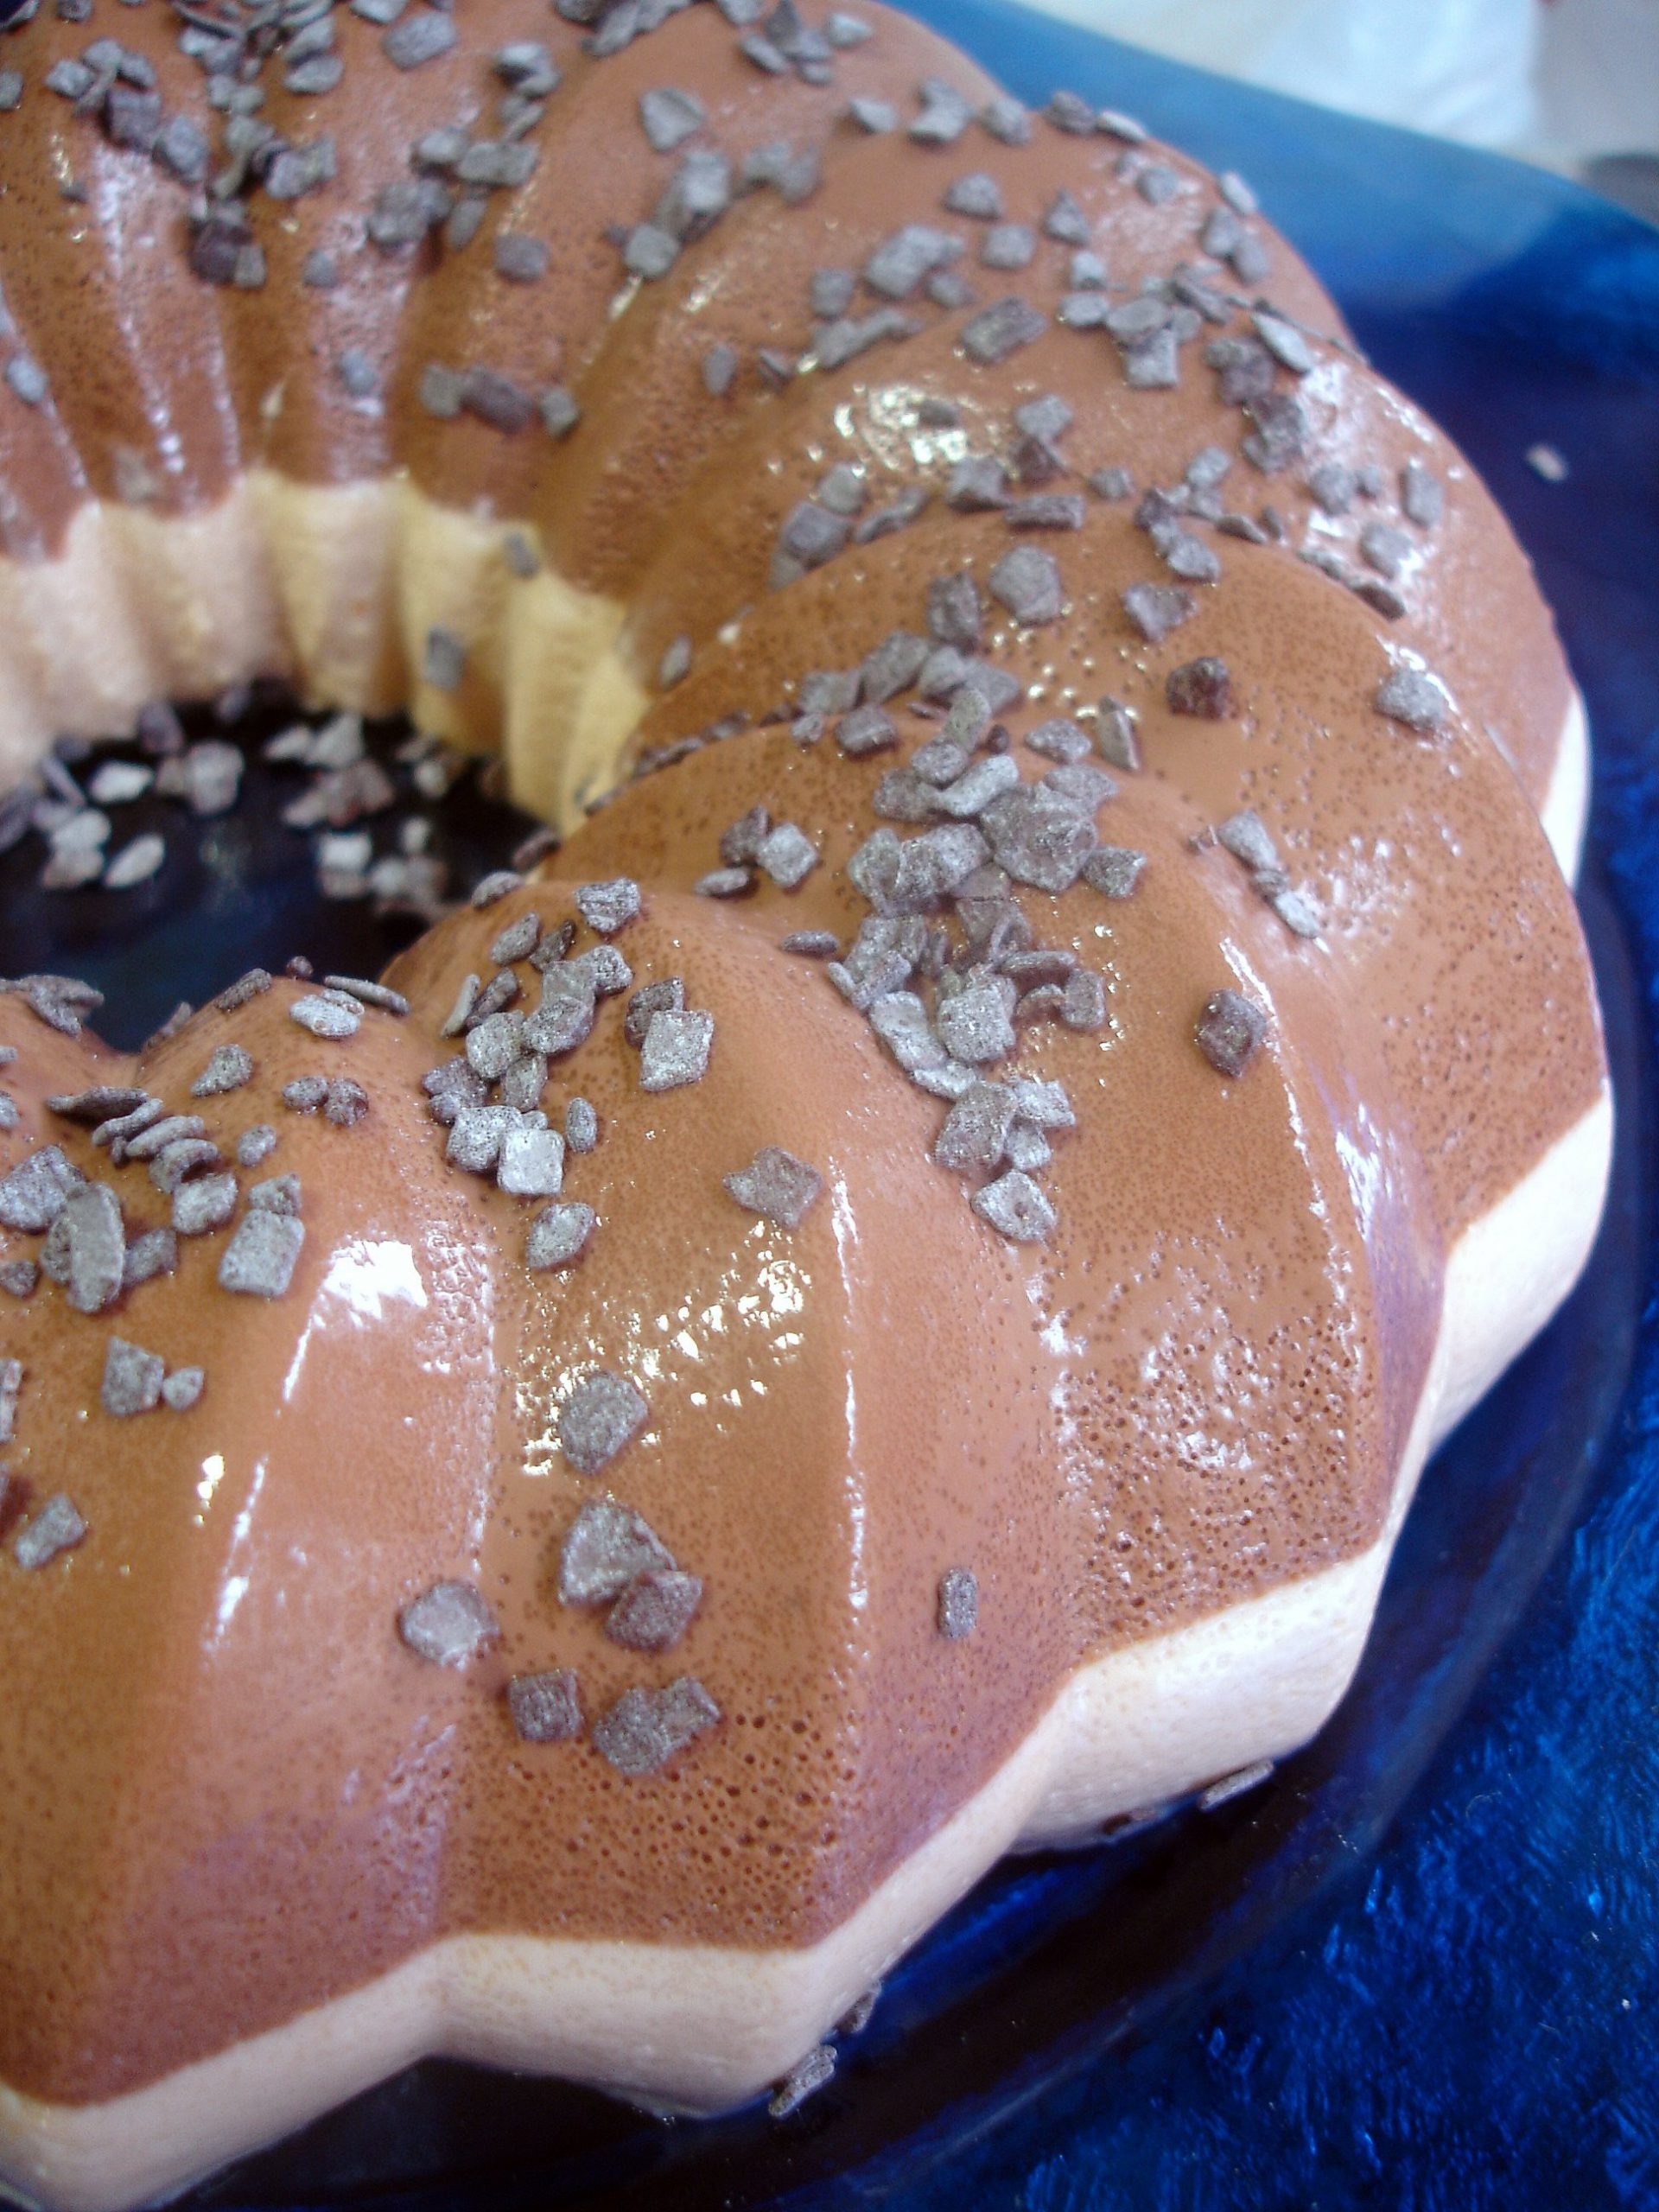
[(1172, 1366)]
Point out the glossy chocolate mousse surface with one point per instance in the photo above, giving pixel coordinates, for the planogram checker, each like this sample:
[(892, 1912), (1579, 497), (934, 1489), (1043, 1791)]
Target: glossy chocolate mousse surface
[(1168, 1363)]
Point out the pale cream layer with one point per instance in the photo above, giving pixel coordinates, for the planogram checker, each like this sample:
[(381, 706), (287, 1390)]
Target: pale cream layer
[(701, 2027)]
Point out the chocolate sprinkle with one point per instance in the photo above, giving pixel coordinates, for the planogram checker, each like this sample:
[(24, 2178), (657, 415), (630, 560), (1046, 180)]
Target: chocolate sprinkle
[(229, 1068), (655, 1611), (1201, 687), (1418, 701), (132, 1379), (605, 1548), (958, 1603), (56, 1527), (448, 1624), (558, 1235), (1230, 1029), (600, 1416), (546, 1707), (645, 1728), (1015, 1208), (776, 1185), (260, 1259), (804, 2079)]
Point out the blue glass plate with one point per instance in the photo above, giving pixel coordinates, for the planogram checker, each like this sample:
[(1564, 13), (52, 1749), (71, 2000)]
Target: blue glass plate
[(1418, 1966)]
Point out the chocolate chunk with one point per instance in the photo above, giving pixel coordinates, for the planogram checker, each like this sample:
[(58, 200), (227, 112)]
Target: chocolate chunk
[(1422, 496), (132, 1379), (279, 1194), (32, 1196), (254, 1145), (558, 1235), (1039, 837), (1015, 1208), (655, 1611), (182, 1387), (56, 1527), (676, 1050), (1002, 329), (954, 612), (1114, 870), (976, 1025), (788, 855), (976, 1129), (776, 1185), (18, 1278), (94, 1247), (1156, 610), (204, 1205), (810, 944), (667, 996), (645, 1728), (866, 730), (449, 1624), (104, 1103), (228, 1069), (326, 1017), (605, 1548), (496, 1043), (1244, 835), (565, 1016), (475, 1137), (546, 1708), (1026, 582), (11, 1383), (1201, 687), (803, 2080), (1084, 1002), (305, 1094), (958, 1603), (1405, 694), (260, 1259), (155, 1253), (1230, 1029), (417, 38), (367, 993), (600, 1416), (530, 1163), (608, 907)]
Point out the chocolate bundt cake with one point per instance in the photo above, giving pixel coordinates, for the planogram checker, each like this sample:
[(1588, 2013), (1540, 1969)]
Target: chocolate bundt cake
[(887, 1300)]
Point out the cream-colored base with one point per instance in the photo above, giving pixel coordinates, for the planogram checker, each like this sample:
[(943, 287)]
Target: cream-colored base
[(333, 587), (701, 2028)]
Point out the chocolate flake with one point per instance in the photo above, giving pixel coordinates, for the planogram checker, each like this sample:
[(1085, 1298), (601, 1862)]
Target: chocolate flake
[(1015, 1208), (812, 944), (608, 907), (531, 1164), (155, 1253), (182, 1387), (132, 1379), (1026, 582), (248, 987), (1410, 697), (104, 1102), (1114, 870), (228, 1069), (18, 1278), (368, 994), (1230, 1029), (645, 1728), (655, 1611), (1156, 610), (205, 1205), (260, 1259), (803, 2080), (56, 1527), (777, 1185), (326, 1017), (32, 1196), (448, 1624), (94, 1246), (256, 1145), (605, 1548), (546, 1708), (976, 1129), (958, 1603), (1201, 687), (278, 1194), (1422, 496), (558, 1235), (305, 1094), (600, 1416), (11, 1383), (1000, 330)]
